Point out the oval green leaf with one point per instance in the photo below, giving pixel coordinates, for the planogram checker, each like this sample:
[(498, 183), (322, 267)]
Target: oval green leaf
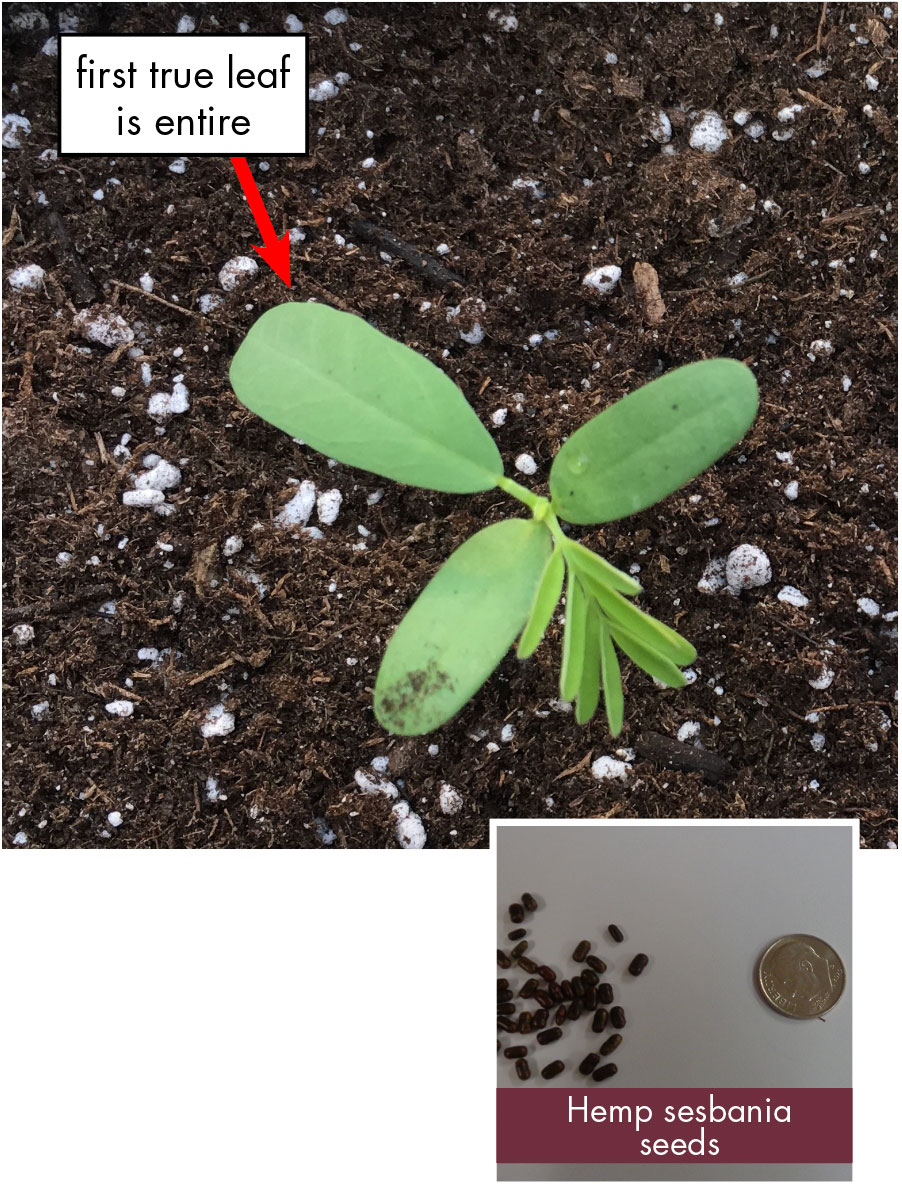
[(460, 627), (653, 441), (358, 396), (548, 595), (610, 682), (574, 648)]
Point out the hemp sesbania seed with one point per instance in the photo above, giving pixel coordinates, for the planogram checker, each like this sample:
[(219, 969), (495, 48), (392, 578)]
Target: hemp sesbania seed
[(605, 1072), (570, 999)]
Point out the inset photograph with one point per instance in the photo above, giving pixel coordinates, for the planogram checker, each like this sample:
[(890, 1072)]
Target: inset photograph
[(675, 999)]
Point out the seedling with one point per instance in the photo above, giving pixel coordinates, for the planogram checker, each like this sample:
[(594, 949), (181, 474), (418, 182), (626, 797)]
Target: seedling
[(360, 397)]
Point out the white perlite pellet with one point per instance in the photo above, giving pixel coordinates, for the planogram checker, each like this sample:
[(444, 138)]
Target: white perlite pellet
[(709, 132), (792, 596), (120, 708), (27, 278), (498, 417), (713, 579), (818, 741), (868, 607), (143, 498), (610, 769), (15, 128), (526, 464), (747, 567), (328, 504), (114, 819), (162, 475), (103, 327), (604, 279), (409, 829), (335, 16), (823, 681), (450, 799), (23, 634), (374, 786), (689, 731), (791, 490), (217, 722), (299, 507), (322, 90), (232, 545), (237, 271)]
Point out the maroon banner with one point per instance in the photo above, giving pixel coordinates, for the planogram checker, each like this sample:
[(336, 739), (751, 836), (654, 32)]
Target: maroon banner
[(560, 1125)]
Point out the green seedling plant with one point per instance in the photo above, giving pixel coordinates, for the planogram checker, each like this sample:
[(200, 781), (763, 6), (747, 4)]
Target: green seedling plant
[(356, 395)]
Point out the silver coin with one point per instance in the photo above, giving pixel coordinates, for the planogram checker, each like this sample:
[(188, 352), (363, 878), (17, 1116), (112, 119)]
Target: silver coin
[(801, 976)]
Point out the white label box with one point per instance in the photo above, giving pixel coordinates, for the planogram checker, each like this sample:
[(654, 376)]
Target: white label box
[(176, 95)]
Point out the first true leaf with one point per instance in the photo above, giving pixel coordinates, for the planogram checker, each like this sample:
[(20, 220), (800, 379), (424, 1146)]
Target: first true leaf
[(356, 395)]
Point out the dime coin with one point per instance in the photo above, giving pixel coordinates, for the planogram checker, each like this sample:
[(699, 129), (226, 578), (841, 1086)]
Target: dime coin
[(801, 976)]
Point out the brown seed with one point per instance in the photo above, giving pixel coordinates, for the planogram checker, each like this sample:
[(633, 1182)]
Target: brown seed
[(539, 1019), (519, 949), (615, 933), (544, 998), (523, 1071), (524, 1022), (594, 963), (581, 950), (575, 1012), (516, 911), (555, 993), (503, 961), (638, 964), (507, 1008), (529, 989), (566, 990), (605, 994), (527, 964), (561, 1016), (611, 1044), (618, 1018), (551, 1035), (517, 934), (599, 1021), (590, 998), (516, 1052), (605, 1072), (578, 986), (547, 973), (503, 983), (505, 994), (529, 902), (587, 976), (553, 1068), (505, 1023), (589, 1063)]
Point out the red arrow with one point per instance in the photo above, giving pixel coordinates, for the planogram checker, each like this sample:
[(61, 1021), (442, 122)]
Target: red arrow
[(274, 251)]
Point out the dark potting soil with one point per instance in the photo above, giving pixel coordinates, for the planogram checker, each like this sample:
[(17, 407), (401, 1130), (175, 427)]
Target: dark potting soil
[(530, 152)]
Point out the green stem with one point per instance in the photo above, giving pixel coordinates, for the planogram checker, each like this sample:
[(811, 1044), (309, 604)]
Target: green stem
[(535, 502)]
